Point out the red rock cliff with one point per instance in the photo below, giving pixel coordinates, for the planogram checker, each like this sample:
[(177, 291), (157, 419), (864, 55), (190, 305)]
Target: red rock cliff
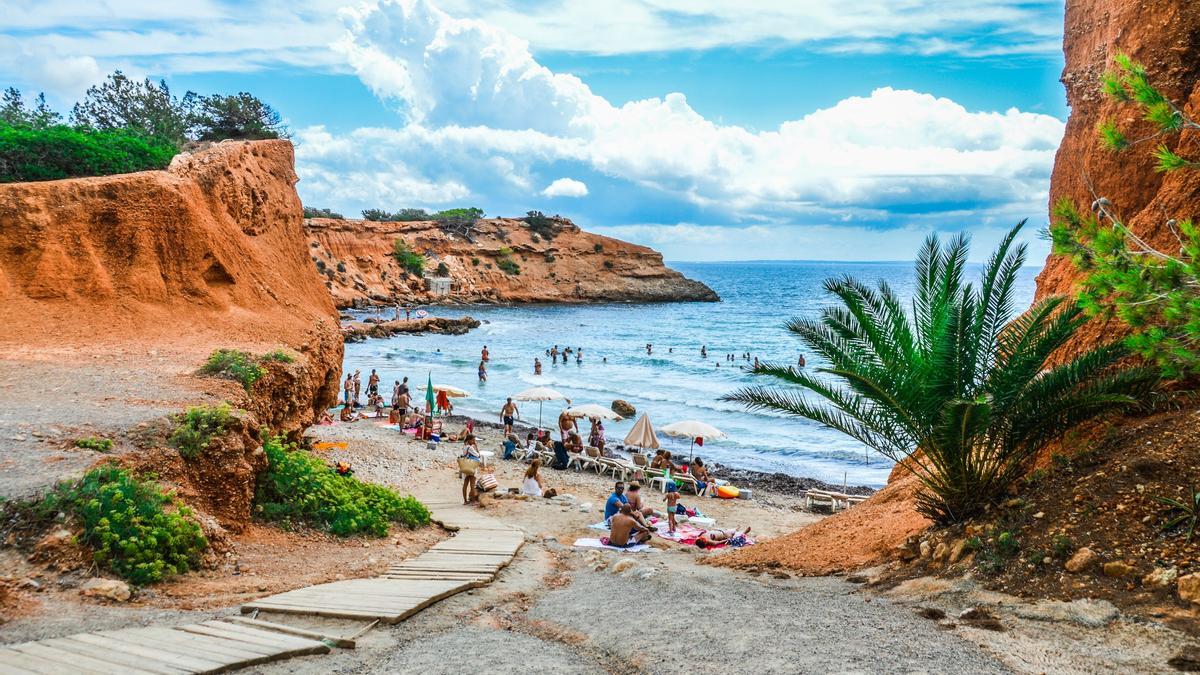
[(209, 253), (571, 266), (1165, 36)]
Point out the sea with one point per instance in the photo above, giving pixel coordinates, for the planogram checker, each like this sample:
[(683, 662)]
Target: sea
[(672, 383)]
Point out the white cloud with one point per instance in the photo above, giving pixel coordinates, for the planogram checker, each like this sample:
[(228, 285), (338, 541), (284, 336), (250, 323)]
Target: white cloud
[(864, 159), (566, 187)]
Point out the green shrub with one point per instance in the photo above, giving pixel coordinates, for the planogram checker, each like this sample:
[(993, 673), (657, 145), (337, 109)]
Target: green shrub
[(504, 252), (550, 257), (29, 154), (341, 267), (234, 365), (608, 264), (458, 218), (412, 262), (598, 248), (196, 428), (403, 215), (443, 270), (508, 266), (279, 356), (541, 225), (1063, 545), (313, 212), (133, 527), (300, 488), (93, 443), (475, 262)]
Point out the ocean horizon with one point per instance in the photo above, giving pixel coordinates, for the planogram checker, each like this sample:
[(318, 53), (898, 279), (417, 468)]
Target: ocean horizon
[(673, 382)]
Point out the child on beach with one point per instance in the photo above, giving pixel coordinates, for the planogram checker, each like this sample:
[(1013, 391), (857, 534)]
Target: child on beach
[(672, 500)]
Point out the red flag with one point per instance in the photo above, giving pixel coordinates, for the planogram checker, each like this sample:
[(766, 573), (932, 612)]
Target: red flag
[(700, 441)]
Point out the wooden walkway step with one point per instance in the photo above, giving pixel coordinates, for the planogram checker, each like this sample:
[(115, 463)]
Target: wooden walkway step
[(208, 647)]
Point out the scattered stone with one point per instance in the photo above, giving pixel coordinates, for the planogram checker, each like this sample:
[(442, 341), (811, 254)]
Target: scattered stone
[(643, 573), (1189, 588), (779, 574), (585, 507), (956, 551), (1161, 578), (1117, 569), (925, 549), (941, 552), (1186, 659), (110, 589), (856, 579), (1040, 514), (977, 617), (1086, 612), (1081, 560), (622, 565), (931, 613)]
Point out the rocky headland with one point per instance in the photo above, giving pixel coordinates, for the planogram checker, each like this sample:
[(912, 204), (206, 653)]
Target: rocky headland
[(497, 260)]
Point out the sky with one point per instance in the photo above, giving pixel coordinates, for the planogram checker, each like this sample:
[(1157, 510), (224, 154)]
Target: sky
[(710, 130)]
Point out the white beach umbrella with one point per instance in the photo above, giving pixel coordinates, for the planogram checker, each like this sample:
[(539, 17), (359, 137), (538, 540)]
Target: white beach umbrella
[(693, 429), (594, 411), (642, 434), (541, 395), (451, 391)]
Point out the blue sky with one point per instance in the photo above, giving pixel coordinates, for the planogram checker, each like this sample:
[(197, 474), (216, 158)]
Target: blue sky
[(709, 130)]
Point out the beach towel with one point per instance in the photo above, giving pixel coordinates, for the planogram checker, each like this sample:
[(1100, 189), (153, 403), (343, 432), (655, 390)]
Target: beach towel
[(596, 543)]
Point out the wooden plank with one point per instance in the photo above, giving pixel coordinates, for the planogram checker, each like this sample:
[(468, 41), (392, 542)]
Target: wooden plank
[(233, 651), (338, 641), (72, 662), (12, 658), (331, 613), (276, 641), (130, 644), (333, 602), (116, 655), (10, 668)]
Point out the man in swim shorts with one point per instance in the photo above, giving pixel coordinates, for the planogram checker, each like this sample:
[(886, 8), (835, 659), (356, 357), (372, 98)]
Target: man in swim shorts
[(508, 414)]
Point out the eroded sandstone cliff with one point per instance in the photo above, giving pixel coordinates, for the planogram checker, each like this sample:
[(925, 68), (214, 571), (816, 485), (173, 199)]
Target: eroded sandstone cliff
[(1165, 36), (114, 290), (570, 265)]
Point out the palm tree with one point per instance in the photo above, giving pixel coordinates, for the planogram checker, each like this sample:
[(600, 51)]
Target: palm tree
[(957, 390)]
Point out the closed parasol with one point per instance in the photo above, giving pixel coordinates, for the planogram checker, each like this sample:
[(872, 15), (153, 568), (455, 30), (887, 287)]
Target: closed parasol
[(642, 434)]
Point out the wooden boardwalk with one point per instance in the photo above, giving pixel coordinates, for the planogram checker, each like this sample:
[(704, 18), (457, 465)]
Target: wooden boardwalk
[(480, 548), (208, 647)]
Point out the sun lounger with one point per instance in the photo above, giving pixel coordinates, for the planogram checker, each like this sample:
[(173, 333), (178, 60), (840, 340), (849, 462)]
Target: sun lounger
[(819, 497), (616, 467), (855, 499), (586, 459)]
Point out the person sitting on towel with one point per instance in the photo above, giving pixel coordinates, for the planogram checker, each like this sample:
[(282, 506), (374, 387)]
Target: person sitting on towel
[(615, 501), (735, 538), (624, 530)]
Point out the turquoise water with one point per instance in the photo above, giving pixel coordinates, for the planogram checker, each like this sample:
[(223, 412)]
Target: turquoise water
[(672, 384)]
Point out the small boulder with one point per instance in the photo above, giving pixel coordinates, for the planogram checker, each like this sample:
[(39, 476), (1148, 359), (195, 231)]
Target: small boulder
[(931, 613), (957, 550), (1117, 569), (585, 507), (1082, 560), (1161, 578), (1189, 588), (111, 589), (622, 565), (941, 552), (926, 549), (624, 408)]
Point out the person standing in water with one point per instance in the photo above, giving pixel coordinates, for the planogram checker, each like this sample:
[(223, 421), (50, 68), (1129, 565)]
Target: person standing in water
[(484, 354), (649, 349), (483, 371), (703, 352), (537, 366), (579, 355), (349, 387), (801, 362)]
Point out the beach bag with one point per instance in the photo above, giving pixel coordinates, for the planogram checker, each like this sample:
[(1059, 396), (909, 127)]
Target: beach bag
[(467, 466), (486, 482)]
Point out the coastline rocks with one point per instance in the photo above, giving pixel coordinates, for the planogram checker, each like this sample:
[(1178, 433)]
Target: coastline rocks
[(624, 408), (358, 331), (1083, 559)]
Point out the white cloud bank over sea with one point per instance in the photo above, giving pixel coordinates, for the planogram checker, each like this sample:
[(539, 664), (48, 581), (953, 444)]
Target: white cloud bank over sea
[(485, 120)]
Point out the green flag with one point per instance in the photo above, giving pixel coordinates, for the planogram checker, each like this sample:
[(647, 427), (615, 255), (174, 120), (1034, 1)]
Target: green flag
[(429, 392)]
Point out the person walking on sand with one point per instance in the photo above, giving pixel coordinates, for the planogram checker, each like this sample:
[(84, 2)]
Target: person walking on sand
[(537, 366), (483, 356), (396, 394), (483, 371), (373, 384), (672, 500), (349, 387), (567, 424), (508, 414)]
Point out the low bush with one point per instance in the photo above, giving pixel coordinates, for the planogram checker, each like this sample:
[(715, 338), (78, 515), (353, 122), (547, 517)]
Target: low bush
[(134, 528), (508, 266), (279, 356), (313, 212), (234, 365), (598, 248), (94, 443), (196, 428), (412, 262), (475, 262), (443, 270), (298, 487), (51, 153)]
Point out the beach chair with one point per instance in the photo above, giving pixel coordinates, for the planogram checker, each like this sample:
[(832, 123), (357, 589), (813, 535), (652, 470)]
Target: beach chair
[(820, 497), (586, 459), (615, 466), (854, 499), (685, 481)]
